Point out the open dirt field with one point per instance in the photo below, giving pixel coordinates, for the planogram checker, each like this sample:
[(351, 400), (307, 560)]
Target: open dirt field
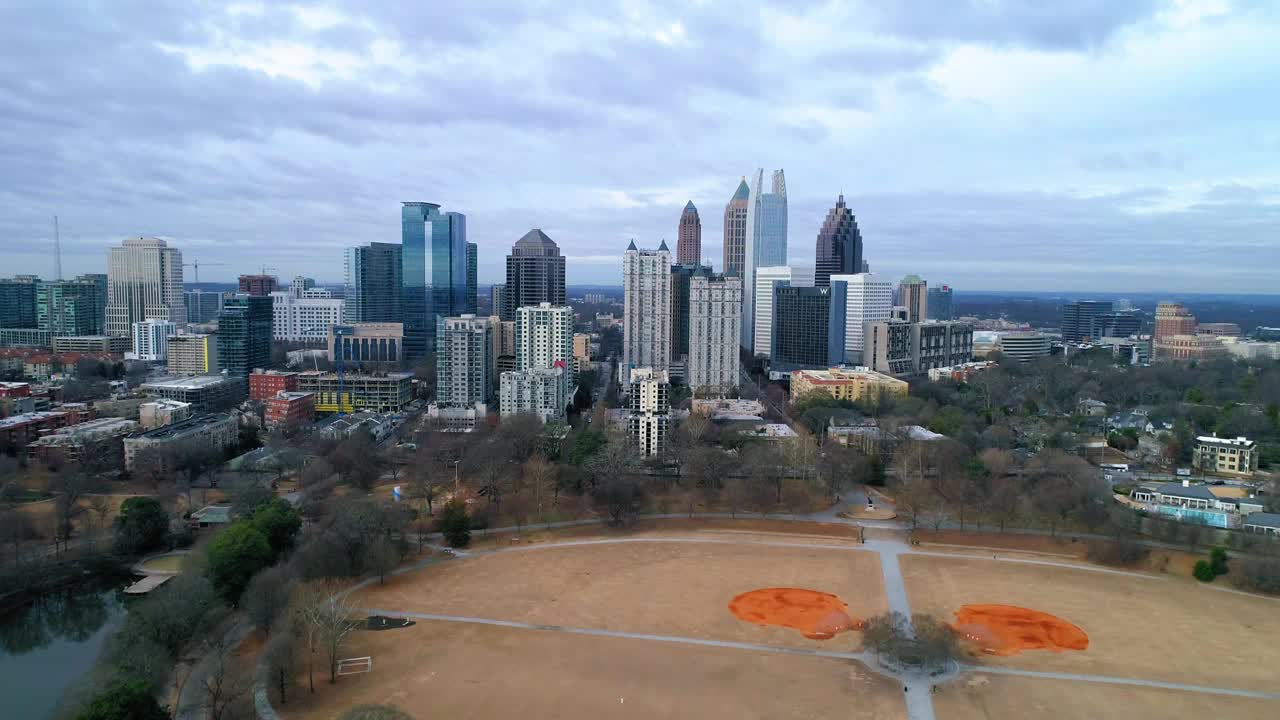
[(1154, 628), (994, 697), (648, 587), (440, 670)]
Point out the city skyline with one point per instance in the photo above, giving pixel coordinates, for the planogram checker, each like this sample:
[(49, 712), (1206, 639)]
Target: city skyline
[(1019, 147)]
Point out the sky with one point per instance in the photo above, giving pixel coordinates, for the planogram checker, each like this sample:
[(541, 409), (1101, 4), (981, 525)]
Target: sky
[(1091, 145)]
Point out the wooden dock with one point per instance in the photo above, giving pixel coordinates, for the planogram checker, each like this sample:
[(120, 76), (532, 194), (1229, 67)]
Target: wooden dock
[(147, 584)]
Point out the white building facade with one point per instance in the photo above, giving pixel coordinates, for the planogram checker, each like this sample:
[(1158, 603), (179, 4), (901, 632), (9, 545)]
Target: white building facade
[(715, 324), (766, 241), (766, 279), (646, 322), (144, 282), (151, 340), (868, 299), (298, 318), (650, 410), (465, 361), (539, 391)]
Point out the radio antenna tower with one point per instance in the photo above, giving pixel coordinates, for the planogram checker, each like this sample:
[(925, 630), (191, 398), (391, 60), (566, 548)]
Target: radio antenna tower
[(57, 251)]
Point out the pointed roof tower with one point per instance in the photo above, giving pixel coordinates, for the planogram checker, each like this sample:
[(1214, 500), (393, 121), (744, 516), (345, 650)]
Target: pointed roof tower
[(663, 246), (743, 191), (632, 246)]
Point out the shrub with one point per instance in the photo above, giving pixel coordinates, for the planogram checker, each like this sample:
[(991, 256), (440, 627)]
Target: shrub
[(1258, 574), (1122, 553), (142, 525), (455, 524), (130, 700), (1203, 571), (1218, 561)]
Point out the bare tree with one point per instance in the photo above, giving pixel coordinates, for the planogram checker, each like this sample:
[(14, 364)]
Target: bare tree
[(324, 618), (281, 657), (68, 487), (228, 686), (267, 596), (541, 477)]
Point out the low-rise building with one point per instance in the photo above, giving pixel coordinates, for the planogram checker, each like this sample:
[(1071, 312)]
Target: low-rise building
[(960, 373), (1225, 456), (17, 430), (378, 426), (15, 399), (25, 338), (217, 431), (288, 412), (1190, 347), (106, 435), (367, 392), (728, 410), (773, 431), (366, 343), (1190, 503), (162, 411), (845, 384), (206, 393), (264, 384), (1262, 523), (92, 344), (1024, 346)]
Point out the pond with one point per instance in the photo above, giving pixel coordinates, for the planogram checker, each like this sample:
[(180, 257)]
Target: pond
[(47, 646)]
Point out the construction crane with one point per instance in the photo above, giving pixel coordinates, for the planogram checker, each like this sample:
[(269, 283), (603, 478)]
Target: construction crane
[(196, 264)]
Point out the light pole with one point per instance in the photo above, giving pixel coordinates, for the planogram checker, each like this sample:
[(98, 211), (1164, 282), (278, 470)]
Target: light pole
[(455, 476)]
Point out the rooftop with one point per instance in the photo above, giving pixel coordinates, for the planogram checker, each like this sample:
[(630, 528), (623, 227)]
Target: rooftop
[(27, 418), (1240, 442), (179, 429), (1263, 519), (195, 382), (1198, 492)]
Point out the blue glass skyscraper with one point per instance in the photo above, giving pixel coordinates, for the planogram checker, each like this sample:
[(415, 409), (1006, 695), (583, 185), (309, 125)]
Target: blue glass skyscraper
[(435, 272)]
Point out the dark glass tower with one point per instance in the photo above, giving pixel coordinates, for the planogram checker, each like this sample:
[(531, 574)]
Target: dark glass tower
[(808, 327), (434, 272), (680, 276), (473, 269), (1078, 319), (373, 283), (839, 245), (535, 274), (244, 334)]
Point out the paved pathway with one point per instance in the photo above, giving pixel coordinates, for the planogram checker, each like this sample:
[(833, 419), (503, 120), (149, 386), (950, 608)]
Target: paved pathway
[(1109, 680)]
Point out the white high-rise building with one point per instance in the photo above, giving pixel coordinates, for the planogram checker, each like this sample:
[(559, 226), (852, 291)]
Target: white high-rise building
[(868, 299), (650, 410), (646, 320), (465, 361), (766, 278), (304, 319), (540, 391), (544, 336), (715, 322), (144, 282), (151, 340), (765, 244)]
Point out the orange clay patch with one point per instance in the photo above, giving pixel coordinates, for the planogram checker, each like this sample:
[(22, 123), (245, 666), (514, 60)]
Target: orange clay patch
[(1008, 630), (817, 615)]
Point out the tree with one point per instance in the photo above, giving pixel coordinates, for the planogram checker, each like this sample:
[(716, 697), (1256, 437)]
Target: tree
[(279, 523), (280, 659), (248, 494), (1203, 571), (542, 478), (1218, 561), (455, 524), (235, 555), (267, 596), (494, 478), (68, 487), (228, 685), (585, 445), (141, 526), (325, 618), (621, 495), (124, 700)]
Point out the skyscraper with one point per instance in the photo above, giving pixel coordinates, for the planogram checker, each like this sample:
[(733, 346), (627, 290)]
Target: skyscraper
[(144, 282), (868, 299), (72, 307), (18, 303), (544, 336), (373, 283), (735, 230), (244, 334), (202, 305), (808, 327), (839, 249), (434, 274), (680, 276), (1172, 319), (649, 405), (473, 270), (913, 294), (259, 285), (765, 243), (689, 242), (766, 279), (940, 307), (465, 362), (535, 274), (1078, 319), (646, 321), (715, 310)]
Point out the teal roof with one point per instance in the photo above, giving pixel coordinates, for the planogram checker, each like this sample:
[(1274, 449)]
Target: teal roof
[(743, 191), (690, 206)]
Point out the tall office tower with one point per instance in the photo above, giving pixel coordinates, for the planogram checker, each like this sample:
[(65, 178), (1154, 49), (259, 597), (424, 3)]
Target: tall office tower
[(465, 362), (18, 303), (689, 241), (144, 282), (646, 316), (766, 279), (303, 319), (300, 285), (839, 245), (1173, 319), (649, 408), (259, 285), (434, 272), (940, 303), (535, 274), (1122, 325), (373, 283), (808, 327), (244, 334), (1078, 319), (735, 230), (765, 244), (495, 299), (473, 274), (72, 307), (202, 306), (151, 339), (913, 294), (868, 299), (715, 320), (680, 277)]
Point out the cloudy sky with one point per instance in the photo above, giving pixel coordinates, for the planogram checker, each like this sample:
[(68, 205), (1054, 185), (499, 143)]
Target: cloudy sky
[(1010, 145)]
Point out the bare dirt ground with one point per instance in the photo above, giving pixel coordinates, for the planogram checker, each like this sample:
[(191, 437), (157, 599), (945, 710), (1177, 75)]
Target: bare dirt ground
[(534, 533), (1153, 628), (440, 670), (994, 697), (1171, 562), (647, 587)]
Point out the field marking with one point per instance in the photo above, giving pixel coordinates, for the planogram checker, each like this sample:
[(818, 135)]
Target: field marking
[(1110, 680)]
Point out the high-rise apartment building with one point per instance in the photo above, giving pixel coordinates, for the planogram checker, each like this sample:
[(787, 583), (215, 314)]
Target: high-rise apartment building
[(434, 272), (808, 327), (244, 334), (868, 299), (1172, 319), (144, 282), (72, 307), (465, 362), (649, 405), (689, 240), (259, 285), (535, 274), (646, 322), (151, 339), (496, 292), (715, 320), (473, 276), (913, 294), (192, 355), (544, 337), (940, 307), (1078, 319), (202, 306), (681, 275), (765, 244), (373, 283), (18, 303), (303, 319), (735, 230), (766, 279), (839, 249), (538, 391)]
